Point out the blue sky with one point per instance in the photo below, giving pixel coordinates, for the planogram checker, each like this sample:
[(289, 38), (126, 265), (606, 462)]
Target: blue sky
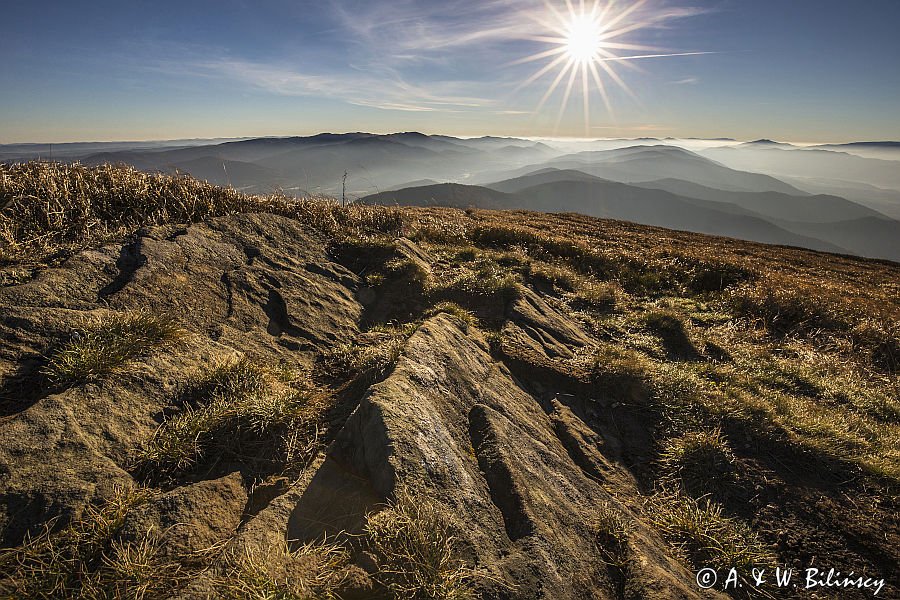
[(799, 70)]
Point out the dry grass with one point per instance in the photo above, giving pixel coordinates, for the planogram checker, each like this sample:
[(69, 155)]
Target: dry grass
[(108, 342), (552, 276), (596, 295), (807, 348), (370, 361), (612, 531), (311, 572), (701, 461), (670, 327), (50, 208), (710, 538), (237, 408), (620, 373), (416, 553), (86, 560), (464, 317)]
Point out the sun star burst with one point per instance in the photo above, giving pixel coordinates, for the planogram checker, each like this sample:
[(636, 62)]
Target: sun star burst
[(586, 41)]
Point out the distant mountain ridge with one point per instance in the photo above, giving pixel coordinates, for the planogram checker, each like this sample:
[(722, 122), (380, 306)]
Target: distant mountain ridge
[(733, 189)]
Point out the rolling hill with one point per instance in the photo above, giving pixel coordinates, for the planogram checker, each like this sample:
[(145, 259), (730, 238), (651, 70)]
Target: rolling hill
[(635, 164), (607, 199)]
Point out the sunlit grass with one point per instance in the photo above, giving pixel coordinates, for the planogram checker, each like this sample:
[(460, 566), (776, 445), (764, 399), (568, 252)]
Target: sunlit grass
[(109, 342)]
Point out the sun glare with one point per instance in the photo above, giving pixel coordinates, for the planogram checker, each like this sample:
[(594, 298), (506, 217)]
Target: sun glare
[(587, 38), (583, 39)]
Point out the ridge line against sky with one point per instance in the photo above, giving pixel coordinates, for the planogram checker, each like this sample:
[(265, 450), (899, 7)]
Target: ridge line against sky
[(816, 71)]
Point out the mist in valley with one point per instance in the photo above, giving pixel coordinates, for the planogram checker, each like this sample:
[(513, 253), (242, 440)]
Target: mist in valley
[(842, 198)]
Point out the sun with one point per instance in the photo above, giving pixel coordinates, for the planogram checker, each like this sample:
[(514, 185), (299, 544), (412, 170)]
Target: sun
[(587, 39), (584, 37)]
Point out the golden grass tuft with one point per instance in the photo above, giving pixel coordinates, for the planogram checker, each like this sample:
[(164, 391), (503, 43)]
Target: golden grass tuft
[(107, 342), (311, 572), (710, 538), (416, 552), (86, 560), (464, 317), (238, 408), (701, 461)]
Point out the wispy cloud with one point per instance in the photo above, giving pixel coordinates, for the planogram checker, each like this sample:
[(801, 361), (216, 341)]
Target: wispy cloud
[(386, 89), (407, 55), (686, 81)]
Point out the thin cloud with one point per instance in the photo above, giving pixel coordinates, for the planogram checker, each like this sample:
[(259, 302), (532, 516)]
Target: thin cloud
[(686, 81), (407, 55), (386, 90)]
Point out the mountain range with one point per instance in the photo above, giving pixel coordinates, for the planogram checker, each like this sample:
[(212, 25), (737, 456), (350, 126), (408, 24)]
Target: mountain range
[(841, 198)]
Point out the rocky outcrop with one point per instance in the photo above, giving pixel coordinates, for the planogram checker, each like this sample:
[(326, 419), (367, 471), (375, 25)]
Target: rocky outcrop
[(256, 285), (520, 473), (452, 424), (190, 519)]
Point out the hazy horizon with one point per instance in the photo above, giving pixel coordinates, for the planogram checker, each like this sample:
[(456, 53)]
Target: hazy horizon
[(536, 138)]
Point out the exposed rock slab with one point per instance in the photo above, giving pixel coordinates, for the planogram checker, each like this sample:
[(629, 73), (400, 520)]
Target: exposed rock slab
[(453, 424), (536, 324), (255, 284)]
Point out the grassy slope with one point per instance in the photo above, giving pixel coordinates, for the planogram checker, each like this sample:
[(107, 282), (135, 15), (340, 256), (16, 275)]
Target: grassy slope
[(775, 368)]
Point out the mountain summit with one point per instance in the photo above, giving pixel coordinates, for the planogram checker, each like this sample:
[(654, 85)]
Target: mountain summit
[(211, 394)]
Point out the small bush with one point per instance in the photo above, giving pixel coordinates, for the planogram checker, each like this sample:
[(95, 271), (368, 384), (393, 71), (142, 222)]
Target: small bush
[(701, 461), (415, 551), (106, 343)]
